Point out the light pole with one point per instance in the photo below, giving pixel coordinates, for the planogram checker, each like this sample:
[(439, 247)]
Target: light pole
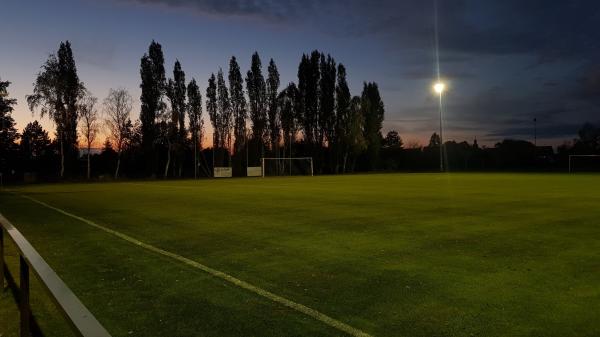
[(439, 88), (535, 132), (534, 139)]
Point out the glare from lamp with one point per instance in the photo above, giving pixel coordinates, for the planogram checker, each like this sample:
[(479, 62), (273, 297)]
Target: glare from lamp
[(439, 87)]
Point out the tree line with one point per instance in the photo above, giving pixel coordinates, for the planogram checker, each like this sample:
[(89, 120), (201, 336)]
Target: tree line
[(252, 116), (507, 155), (317, 116)]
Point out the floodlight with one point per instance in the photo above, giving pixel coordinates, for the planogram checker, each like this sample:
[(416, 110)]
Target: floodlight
[(439, 87)]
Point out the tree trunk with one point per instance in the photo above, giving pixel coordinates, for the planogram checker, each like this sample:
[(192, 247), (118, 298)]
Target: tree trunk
[(168, 161), (283, 155), (89, 170), (118, 165), (62, 158), (195, 157), (181, 160)]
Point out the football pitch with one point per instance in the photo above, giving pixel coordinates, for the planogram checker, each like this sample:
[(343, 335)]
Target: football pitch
[(379, 255)]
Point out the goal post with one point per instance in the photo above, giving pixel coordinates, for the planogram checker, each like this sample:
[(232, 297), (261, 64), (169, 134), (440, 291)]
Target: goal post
[(281, 166), (590, 160)]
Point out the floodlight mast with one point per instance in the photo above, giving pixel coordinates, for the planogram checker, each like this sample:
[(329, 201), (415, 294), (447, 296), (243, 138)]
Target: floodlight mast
[(439, 87)]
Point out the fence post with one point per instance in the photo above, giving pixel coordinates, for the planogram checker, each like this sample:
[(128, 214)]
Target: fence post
[(1, 258), (24, 308)]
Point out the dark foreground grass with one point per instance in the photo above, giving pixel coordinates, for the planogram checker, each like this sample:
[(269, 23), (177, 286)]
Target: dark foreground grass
[(389, 254)]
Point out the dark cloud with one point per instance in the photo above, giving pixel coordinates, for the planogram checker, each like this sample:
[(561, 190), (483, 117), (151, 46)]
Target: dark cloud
[(588, 84), (562, 130), (262, 9), (550, 30)]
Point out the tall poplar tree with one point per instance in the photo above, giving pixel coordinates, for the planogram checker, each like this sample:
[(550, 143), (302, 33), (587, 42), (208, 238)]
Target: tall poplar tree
[(224, 111), (211, 108), (288, 112), (373, 112), (308, 87), (238, 105), (257, 92), (152, 72), (196, 124), (175, 91), (343, 117), (273, 114), (354, 136), (327, 118)]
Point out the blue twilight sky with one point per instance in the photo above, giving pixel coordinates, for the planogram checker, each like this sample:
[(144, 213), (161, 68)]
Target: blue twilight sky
[(506, 62)]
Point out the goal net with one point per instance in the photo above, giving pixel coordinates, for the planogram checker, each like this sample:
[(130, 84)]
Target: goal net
[(584, 163), (294, 166)]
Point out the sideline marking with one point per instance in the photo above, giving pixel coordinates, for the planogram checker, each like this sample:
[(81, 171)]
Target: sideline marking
[(332, 322)]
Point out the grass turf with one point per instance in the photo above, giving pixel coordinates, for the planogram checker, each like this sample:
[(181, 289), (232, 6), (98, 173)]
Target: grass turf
[(390, 254)]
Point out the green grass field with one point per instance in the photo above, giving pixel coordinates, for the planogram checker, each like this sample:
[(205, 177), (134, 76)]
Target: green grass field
[(388, 254)]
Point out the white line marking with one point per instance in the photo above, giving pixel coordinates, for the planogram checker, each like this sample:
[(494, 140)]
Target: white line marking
[(242, 284)]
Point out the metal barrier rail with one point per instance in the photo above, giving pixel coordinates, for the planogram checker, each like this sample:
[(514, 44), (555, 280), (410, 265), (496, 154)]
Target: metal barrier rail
[(82, 322)]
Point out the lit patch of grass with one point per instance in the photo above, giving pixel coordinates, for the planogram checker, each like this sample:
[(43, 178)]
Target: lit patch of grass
[(390, 254)]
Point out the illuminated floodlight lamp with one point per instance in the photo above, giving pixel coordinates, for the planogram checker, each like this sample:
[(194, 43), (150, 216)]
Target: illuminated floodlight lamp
[(439, 87)]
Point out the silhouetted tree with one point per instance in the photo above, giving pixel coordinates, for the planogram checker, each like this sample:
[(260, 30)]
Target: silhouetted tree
[(6, 104), (392, 140), (224, 111), (343, 117), (273, 113), (35, 142), (257, 92), (589, 139), (176, 91), (327, 83), (354, 136), (88, 115), (8, 132), (434, 141), (56, 91), (108, 155), (373, 112), (117, 109), (211, 108), (514, 154), (152, 72), (288, 112), (194, 109), (238, 105), (36, 151), (308, 86)]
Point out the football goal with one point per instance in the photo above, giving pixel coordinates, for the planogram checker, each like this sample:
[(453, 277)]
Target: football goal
[(291, 166), (584, 163)]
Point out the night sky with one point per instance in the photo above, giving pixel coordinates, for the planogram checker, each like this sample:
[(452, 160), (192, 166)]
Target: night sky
[(506, 62)]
